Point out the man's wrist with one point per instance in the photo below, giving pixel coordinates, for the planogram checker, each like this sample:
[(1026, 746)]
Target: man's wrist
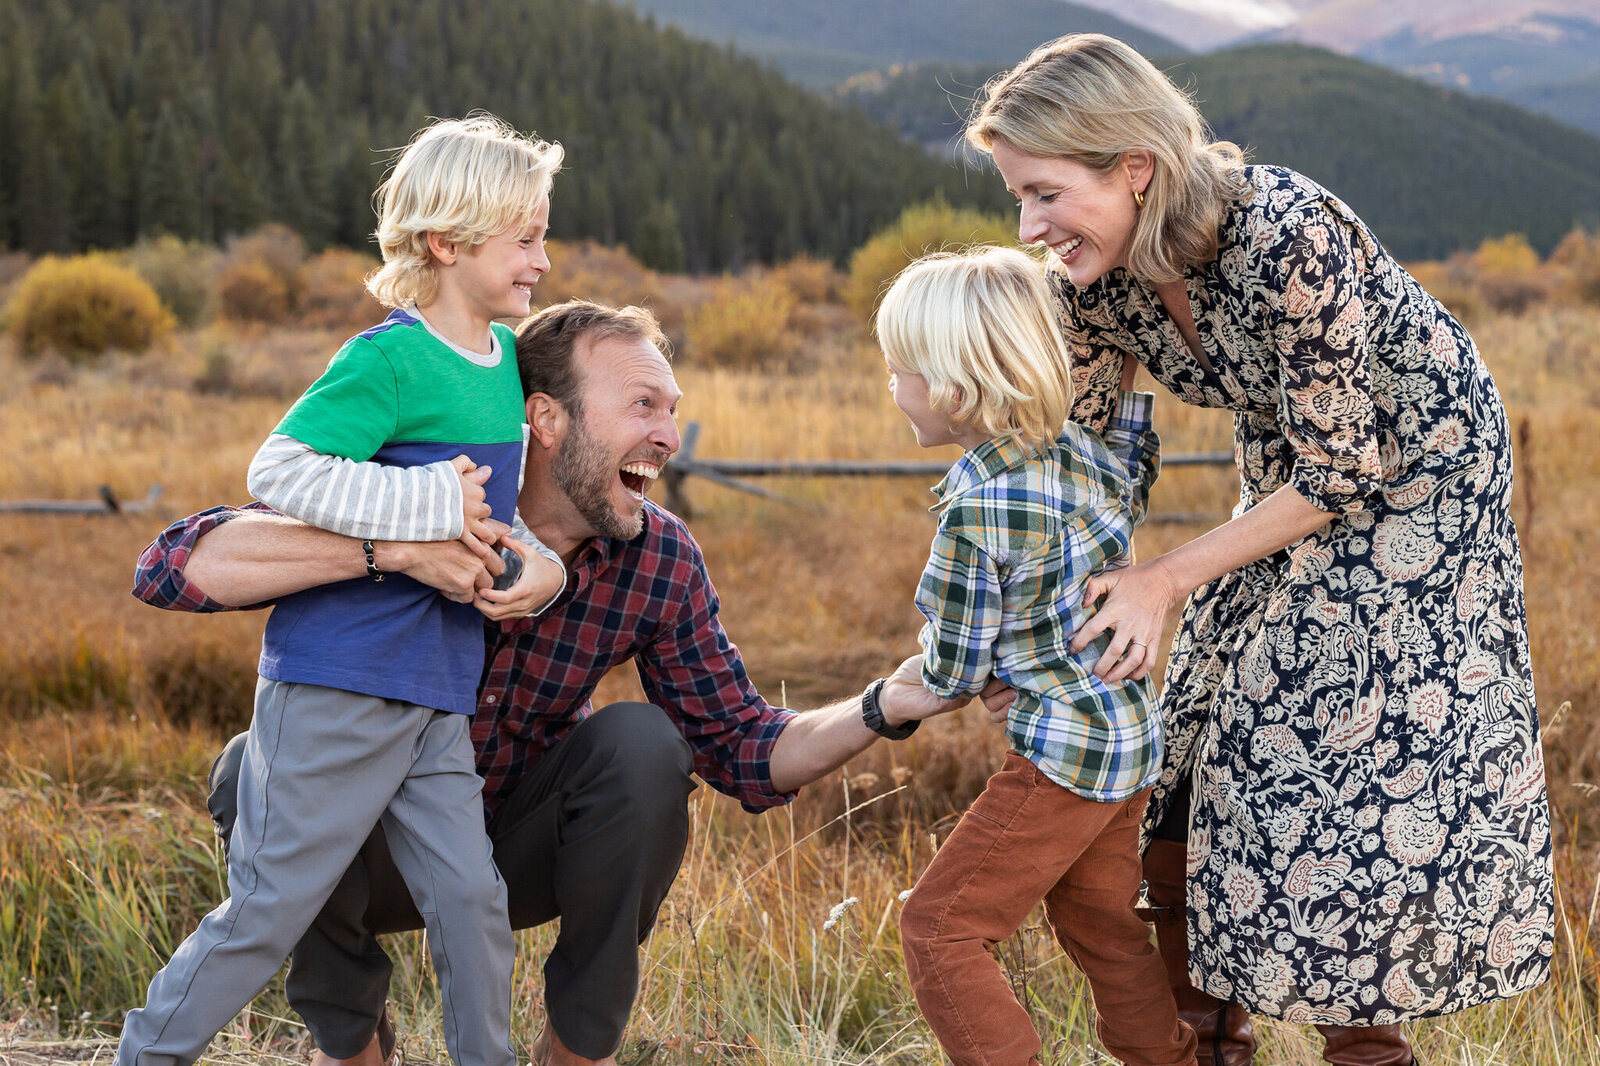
[(876, 719)]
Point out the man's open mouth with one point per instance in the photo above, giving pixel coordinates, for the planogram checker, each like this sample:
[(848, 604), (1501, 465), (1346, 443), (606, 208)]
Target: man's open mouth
[(637, 477)]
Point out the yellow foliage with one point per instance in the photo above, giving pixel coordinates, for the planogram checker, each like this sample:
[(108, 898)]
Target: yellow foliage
[(588, 270), (83, 306), (813, 281), (930, 227), (744, 324), (279, 249)]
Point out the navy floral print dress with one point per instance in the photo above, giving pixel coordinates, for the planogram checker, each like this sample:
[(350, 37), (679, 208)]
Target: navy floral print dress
[(1369, 838)]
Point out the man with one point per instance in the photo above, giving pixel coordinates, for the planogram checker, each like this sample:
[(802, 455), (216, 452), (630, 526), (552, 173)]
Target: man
[(587, 812)]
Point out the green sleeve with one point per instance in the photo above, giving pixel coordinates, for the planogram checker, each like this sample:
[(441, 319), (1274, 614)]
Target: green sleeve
[(352, 410)]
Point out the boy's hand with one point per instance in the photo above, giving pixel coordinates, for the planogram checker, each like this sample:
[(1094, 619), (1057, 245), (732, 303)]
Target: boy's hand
[(997, 699), (475, 510), (542, 577), (905, 698)]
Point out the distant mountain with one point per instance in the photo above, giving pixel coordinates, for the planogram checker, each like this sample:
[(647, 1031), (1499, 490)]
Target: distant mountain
[(822, 42), (1540, 54), (1430, 169)]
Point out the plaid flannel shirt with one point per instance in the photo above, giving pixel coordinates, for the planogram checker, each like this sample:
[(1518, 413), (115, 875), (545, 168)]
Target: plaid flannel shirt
[(648, 599), (1019, 536)]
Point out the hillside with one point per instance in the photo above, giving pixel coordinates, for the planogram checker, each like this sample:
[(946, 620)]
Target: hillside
[(1431, 170), (205, 120), (822, 42)]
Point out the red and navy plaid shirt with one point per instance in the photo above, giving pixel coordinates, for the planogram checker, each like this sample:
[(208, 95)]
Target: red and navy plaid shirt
[(648, 599)]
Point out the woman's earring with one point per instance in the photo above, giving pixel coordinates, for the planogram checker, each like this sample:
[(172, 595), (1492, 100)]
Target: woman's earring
[(1138, 197)]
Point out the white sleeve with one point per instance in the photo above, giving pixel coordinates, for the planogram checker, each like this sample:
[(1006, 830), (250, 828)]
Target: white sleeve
[(367, 500)]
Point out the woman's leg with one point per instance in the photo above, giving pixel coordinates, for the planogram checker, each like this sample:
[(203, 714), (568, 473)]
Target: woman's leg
[(1226, 1035)]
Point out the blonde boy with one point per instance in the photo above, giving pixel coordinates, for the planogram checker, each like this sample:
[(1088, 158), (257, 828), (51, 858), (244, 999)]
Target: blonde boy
[(1034, 508), (414, 432)]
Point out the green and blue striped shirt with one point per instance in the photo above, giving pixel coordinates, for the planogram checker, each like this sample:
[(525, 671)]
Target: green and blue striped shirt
[(1019, 535)]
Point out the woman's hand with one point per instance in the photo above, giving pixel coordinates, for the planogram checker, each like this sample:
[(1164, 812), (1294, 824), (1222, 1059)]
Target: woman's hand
[(1137, 599)]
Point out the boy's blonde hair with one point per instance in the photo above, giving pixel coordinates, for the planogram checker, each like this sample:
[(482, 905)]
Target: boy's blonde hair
[(979, 327), (467, 179), (1092, 99)]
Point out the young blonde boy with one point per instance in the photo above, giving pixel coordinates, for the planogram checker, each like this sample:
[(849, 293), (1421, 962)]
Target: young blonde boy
[(414, 432), (1034, 508)]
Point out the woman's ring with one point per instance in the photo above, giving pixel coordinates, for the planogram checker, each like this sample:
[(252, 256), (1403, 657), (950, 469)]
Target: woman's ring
[(1141, 643)]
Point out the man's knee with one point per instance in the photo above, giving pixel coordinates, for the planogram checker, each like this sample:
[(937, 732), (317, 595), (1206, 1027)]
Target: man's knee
[(223, 802), (640, 752)]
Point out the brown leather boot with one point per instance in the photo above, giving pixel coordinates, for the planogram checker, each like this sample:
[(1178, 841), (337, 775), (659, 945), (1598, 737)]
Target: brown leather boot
[(1366, 1045), (1226, 1035)]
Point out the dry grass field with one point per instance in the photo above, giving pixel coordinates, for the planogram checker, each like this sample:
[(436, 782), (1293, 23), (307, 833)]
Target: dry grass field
[(110, 711)]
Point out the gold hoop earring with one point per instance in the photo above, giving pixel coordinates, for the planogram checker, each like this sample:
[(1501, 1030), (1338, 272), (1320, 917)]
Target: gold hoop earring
[(1138, 197)]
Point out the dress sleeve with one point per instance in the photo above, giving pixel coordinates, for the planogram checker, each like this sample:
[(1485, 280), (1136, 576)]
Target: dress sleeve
[(1096, 356), (1326, 410)]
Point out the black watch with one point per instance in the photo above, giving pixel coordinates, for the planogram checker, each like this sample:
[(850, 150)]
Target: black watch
[(872, 714)]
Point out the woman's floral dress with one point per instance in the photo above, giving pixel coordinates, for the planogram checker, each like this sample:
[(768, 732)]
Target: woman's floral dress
[(1369, 837)]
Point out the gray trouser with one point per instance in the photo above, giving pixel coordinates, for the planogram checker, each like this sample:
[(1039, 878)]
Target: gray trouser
[(593, 833), (317, 770)]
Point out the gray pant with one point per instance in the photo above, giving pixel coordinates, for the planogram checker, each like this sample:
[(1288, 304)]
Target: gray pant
[(317, 770), (593, 832)]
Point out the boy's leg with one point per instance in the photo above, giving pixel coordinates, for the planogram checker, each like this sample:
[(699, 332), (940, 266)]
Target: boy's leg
[(300, 819), (1092, 913), (1007, 852), (434, 828)]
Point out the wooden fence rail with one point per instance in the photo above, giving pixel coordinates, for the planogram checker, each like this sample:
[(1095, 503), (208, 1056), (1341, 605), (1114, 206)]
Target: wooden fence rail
[(727, 472), (108, 503)]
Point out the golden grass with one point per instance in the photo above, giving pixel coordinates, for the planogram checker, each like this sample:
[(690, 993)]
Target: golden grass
[(110, 712)]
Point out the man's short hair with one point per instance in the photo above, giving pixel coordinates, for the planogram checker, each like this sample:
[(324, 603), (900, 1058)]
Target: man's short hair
[(547, 343)]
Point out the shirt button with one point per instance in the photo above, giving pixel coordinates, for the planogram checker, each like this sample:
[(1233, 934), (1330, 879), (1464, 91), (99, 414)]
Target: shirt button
[(488, 699)]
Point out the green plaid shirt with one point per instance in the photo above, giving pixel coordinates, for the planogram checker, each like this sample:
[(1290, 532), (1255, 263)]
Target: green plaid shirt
[(1019, 536)]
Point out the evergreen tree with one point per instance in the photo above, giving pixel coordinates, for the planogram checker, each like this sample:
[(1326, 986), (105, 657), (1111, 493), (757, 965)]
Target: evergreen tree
[(169, 189)]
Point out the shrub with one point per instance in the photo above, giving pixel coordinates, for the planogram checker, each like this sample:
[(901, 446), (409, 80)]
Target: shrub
[(251, 291), (183, 273), (813, 281), (588, 270), (84, 305), (279, 249), (930, 227), (744, 324), (333, 290), (1509, 274), (1577, 257)]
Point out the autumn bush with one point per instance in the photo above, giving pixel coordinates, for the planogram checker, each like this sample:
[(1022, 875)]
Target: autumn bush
[(251, 291), (589, 270), (277, 248), (183, 273), (84, 305), (746, 323), (930, 227), (333, 290)]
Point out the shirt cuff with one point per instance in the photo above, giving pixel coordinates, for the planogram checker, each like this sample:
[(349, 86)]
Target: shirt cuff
[(1135, 411)]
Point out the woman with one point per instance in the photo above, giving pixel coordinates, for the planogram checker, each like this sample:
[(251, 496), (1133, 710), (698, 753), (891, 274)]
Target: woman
[(1353, 751)]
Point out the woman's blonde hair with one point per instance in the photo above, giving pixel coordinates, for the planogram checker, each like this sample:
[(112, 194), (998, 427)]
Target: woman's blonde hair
[(1090, 98), (466, 179), (979, 327)]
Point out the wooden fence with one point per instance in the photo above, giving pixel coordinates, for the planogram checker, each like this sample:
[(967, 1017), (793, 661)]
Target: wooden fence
[(728, 472)]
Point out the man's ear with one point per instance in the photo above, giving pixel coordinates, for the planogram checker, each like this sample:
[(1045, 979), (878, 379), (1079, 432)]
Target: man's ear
[(547, 420), (445, 251)]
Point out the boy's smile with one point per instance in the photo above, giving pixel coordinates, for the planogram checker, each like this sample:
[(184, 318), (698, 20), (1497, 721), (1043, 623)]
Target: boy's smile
[(497, 277)]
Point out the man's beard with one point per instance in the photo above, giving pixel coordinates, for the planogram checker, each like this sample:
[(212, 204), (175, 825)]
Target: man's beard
[(585, 475)]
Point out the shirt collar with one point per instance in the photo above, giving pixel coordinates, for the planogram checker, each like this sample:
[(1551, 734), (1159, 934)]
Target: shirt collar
[(985, 462)]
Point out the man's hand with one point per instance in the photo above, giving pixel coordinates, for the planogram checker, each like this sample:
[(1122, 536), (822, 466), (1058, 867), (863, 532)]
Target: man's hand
[(905, 698), (450, 566), (542, 577), (475, 531)]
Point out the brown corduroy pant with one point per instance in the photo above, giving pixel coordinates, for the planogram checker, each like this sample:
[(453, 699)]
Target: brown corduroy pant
[(1028, 839)]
